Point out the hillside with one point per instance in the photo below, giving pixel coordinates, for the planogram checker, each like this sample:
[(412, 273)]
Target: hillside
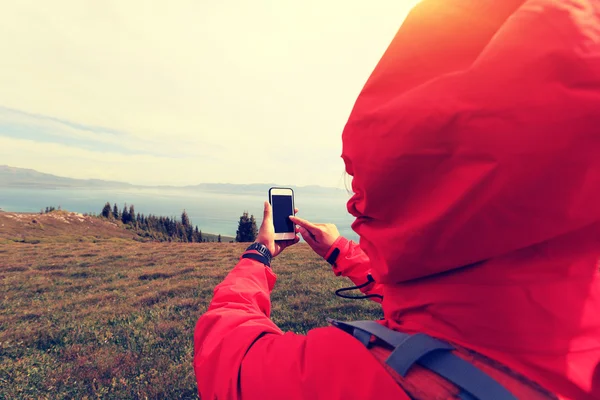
[(64, 226), (58, 226), (111, 317)]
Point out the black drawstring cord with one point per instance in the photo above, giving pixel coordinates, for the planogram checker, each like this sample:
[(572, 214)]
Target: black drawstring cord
[(368, 296)]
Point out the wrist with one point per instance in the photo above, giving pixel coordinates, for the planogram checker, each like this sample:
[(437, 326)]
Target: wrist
[(336, 247), (260, 252), (269, 244)]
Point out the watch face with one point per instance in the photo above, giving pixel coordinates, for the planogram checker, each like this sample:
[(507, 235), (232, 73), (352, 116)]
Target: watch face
[(261, 248), (264, 250)]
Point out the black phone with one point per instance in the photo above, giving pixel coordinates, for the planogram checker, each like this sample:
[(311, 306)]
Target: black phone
[(282, 201)]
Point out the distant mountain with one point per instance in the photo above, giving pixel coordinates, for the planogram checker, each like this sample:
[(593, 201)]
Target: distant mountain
[(29, 178), (259, 188), (21, 177)]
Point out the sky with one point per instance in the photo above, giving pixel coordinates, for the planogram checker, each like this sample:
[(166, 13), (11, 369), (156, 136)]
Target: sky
[(185, 92)]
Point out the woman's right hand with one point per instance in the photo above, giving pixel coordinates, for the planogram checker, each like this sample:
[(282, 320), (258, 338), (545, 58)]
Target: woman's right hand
[(320, 237)]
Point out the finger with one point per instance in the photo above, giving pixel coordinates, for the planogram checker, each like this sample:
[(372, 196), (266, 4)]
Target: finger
[(296, 211), (281, 246), (268, 212), (307, 236), (304, 223), (292, 242)]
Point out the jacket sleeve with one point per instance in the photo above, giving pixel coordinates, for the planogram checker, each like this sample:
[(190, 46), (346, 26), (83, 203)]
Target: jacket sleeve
[(237, 316), (353, 263), (240, 353)]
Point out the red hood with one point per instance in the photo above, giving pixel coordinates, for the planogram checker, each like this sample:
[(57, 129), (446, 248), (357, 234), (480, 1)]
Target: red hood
[(475, 145), (466, 146)]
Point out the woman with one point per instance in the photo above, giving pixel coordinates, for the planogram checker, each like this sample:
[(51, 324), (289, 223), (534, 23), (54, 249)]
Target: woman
[(475, 155)]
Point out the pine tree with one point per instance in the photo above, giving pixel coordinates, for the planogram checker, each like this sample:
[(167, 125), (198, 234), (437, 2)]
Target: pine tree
[(132, 215), (158, 228), (185, 220), (106, 213), (189, 230), (247, 230), (125, 215), (182, 232)]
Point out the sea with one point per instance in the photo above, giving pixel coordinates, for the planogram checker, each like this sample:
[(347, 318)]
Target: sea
[(212, 212)]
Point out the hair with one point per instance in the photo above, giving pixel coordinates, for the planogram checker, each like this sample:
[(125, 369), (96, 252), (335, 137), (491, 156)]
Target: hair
[(347, 178)]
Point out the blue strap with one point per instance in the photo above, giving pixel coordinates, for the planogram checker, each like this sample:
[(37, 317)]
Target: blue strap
[(363, 336), (412, 350), (465, 375), (392, 338), (408, 348), (434, 355), (462, 395)]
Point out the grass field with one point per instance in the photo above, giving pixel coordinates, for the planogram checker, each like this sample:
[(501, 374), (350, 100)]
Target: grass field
[(110, 317)]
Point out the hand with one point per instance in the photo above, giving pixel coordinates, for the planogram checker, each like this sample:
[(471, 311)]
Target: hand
[(320, 237), (266, 234)]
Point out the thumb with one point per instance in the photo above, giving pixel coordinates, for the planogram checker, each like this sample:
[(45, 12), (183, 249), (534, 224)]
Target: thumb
[(268, 212)]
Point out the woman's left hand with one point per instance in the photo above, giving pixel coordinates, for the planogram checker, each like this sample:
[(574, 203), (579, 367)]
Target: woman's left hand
[(266, 234)]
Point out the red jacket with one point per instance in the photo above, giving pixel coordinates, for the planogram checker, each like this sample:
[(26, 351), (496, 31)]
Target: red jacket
[(475, 154), (241, 353)]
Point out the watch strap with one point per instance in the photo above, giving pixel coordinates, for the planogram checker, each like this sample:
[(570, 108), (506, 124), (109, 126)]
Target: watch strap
[(333, 257), (258, 252), (258, 257)]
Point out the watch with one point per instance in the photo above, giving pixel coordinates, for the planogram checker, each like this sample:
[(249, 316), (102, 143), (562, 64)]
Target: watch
[(264, 255), (333, 257)]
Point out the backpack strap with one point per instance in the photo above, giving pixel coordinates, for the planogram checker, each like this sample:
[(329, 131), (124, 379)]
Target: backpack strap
[(433, 354)]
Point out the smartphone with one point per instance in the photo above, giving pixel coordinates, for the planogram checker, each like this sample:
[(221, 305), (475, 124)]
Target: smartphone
[(282, 201)]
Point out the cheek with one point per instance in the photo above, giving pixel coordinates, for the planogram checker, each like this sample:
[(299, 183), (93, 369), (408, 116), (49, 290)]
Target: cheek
[(355, 205), (367, 235), (358, 226)]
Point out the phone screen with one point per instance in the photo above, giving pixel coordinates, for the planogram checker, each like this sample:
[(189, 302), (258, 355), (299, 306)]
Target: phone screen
[(282, 209)]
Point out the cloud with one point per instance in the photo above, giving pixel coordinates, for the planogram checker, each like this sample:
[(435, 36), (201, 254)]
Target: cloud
[(84, 163), (241, 90), (18, 124), (64, 159)]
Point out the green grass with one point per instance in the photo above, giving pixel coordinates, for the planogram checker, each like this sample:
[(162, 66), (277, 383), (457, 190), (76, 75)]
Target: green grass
[(114, 318)]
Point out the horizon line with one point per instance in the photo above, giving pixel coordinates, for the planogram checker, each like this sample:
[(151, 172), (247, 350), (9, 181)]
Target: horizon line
[(167, 185)]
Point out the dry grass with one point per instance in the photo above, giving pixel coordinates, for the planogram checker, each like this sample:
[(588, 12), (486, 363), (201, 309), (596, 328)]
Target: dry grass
[(67, 227), (57, 227), (114, 318)]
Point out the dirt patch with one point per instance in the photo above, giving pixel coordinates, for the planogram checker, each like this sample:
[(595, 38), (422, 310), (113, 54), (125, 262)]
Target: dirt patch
[(88, 255), (81, 275), (157, 275), (15, 269), (30, 317), (51, 267)]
